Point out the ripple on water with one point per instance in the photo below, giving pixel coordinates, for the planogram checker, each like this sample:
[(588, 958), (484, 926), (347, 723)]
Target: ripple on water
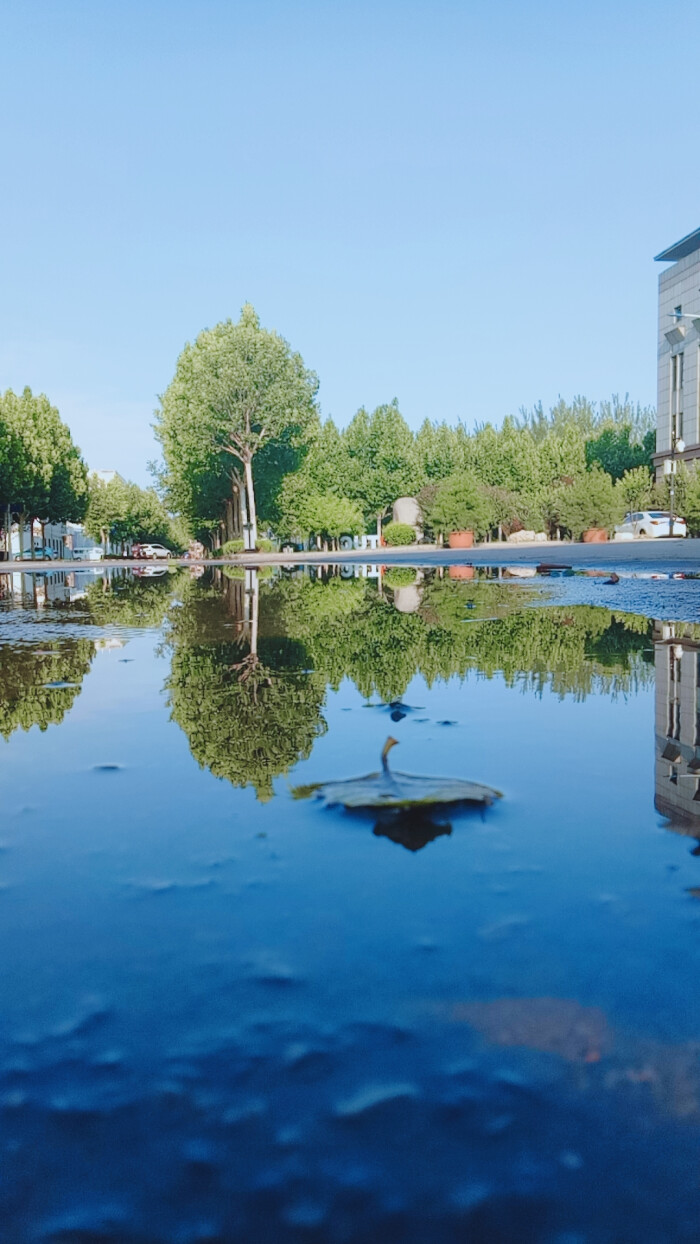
[(374, 1097)]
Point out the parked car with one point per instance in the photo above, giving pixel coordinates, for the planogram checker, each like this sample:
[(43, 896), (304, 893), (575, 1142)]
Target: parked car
[(88, 555), (41, 554), (651, 523), (150, 551)]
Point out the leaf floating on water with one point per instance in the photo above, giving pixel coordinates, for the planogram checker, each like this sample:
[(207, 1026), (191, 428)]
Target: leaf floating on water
[(388, 790)]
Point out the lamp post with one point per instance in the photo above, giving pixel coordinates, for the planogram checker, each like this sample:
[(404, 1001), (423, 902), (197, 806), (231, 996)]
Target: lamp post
[(677, 446)]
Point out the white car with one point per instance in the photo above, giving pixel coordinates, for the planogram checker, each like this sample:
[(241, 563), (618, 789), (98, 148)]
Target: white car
[(152, 550), (651, 523), (87, 555)]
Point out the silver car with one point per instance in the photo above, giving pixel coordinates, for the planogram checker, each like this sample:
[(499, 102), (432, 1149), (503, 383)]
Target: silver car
[(651, 524)]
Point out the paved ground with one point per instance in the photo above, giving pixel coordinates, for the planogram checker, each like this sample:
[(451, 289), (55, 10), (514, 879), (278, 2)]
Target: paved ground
[(678, 555)]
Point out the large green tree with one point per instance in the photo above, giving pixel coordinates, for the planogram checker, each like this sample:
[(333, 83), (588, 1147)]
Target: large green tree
[(238, 389), (383, 463), (42, 475)]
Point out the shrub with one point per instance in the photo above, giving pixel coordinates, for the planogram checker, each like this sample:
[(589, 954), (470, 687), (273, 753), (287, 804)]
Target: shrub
[(231, 547), (461, 505), (636, 488), (399, 533), (691, 509), (591, 501)]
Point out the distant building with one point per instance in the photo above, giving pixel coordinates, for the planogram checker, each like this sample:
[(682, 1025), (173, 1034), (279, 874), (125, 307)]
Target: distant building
[(678, 371), (53, 536)]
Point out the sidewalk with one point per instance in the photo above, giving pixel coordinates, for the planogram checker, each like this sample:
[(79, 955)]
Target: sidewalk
[(679, 555)]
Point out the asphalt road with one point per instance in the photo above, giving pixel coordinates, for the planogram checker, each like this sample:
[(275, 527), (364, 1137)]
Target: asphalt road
[(677, 555)]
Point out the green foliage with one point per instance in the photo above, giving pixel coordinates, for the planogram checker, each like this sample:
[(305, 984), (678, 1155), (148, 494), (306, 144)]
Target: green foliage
[(591, 501), (383, 463), (25, 698), (612, 448), (230, 548), (399, 576), (514, 511), (238, 391), (121, 511), (305, 512), (460, 505), (636, 488), (442, 450), (399, 533), (42, 474), (691, 502), (129, 600)]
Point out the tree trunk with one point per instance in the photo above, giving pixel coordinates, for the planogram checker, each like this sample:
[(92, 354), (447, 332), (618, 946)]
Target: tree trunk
[(228, 517), (236, 506), (379, 527), (244, 516), (252, 516), (20, 533)]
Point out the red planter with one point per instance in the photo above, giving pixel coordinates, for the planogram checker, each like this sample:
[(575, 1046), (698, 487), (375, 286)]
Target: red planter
[(461, 539), (594, 535), (461, 572)]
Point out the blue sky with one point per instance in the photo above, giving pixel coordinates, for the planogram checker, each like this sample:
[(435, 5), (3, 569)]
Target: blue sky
[(452, 203)]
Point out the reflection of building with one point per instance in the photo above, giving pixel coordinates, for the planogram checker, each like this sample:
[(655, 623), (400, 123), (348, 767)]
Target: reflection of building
[(677, 760)]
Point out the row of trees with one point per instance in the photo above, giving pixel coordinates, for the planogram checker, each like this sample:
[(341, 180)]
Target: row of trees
[(120, 511), (42, 475), (242, 439)]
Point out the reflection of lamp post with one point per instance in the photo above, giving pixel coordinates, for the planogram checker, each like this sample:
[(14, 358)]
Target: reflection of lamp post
[(677, 446)]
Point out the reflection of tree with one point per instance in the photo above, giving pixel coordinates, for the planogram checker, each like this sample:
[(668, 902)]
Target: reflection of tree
[(248, 705), (351, 631), (251, 659), (25, 699), (128, 600)]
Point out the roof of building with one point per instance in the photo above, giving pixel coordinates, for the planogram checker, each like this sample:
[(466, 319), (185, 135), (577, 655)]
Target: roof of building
[(679, 250)]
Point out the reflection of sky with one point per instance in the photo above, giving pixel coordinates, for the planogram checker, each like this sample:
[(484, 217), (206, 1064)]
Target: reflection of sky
[(158, 910), (666, 598), (567, 884)]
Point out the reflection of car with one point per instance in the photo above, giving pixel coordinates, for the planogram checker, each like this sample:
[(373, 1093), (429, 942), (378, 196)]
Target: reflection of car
[(654, 523), (41, 554), (149, 571), (87, 555), (150, 550)]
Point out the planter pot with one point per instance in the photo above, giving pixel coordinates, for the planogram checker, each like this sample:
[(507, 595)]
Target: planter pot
[(461, 572), (461, 539), (595, 535)]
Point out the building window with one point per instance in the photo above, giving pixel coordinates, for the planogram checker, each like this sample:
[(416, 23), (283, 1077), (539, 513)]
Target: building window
[(677, 395)]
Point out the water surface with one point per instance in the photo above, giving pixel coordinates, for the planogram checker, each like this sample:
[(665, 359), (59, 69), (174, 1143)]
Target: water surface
[(229, 1014)]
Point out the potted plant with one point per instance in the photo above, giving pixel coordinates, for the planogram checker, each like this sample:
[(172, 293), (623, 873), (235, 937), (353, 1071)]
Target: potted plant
[(460, 510), (590, 506)]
